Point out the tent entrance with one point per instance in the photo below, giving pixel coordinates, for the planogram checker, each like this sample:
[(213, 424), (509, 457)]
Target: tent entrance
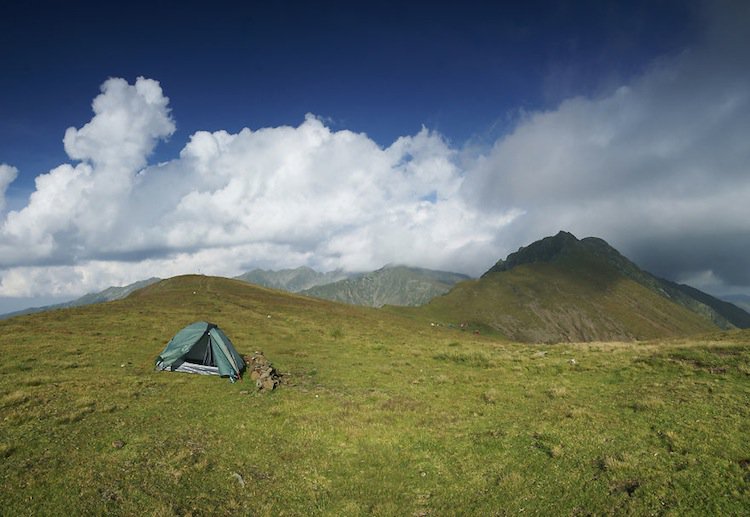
[(202, 352), (195, 368)]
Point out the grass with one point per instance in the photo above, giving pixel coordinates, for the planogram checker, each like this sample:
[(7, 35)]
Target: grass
[(378, 415), (545, 302)]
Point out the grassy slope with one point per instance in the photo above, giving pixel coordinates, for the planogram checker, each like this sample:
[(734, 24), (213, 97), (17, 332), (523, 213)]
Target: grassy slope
[(380, 415), (545, 302)]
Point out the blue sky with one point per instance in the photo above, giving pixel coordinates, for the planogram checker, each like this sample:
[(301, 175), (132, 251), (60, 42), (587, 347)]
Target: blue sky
[(462, 69), (440, 135)]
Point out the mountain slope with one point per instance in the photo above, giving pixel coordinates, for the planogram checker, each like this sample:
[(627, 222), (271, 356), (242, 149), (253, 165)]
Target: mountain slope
[(733, 313), (112, 293), (563, 289), (565, 248), (391, 285), (740, 300), (107, 295), (293, 280)]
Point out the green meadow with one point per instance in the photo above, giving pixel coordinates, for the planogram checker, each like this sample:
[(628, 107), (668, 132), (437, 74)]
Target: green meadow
[(378, 414)]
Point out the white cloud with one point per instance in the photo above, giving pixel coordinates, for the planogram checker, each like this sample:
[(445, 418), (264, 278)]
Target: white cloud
[(77, 210), (128, 122), (659, 164), (276, 196), (7, 175)]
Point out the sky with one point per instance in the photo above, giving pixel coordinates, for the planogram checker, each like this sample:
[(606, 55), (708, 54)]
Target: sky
[(140, 139)]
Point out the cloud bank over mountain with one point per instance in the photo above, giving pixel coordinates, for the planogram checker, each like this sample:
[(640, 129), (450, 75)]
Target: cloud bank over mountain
[(659, 167)]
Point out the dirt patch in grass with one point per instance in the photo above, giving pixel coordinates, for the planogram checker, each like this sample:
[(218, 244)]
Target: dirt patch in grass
[(628, 486), (745, 465)]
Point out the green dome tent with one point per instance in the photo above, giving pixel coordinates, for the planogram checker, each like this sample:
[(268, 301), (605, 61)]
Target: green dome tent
[(201, 348)]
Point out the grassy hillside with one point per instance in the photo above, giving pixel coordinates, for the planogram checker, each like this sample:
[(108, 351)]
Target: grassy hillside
[(556, 303), (565, 249), (391, 285), (379, 415)]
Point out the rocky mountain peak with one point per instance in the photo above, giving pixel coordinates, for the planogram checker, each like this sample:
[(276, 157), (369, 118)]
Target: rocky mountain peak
[(547, 249)]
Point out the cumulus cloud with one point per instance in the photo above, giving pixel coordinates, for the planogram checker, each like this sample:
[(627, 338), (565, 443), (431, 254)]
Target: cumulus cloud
[(76, 210), (128, 121), (7, 175), (277, 196)]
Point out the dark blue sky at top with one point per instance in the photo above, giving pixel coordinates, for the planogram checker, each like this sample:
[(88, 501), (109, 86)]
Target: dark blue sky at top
[(464, 69)]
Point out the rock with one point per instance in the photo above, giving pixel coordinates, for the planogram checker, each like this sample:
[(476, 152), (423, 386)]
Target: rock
[(239, 479), (269, 384), (262, 372)]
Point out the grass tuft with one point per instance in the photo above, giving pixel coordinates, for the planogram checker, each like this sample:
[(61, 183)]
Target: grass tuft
[(490, 396), (557, 392), (76, 415), (13, 399), (475, 360), (6, 450)]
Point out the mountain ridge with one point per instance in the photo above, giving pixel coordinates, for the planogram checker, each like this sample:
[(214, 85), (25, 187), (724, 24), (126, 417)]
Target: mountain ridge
[(109, 294), (292, 280), (563, 289), (406, 286), (566, 247), (392, 284), (740, 300)]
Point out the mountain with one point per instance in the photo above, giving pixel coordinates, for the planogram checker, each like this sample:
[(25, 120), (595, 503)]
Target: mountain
[(112, 293), (390, 285), (293, 280), (734, 313), (564, 289), (565, 247), (107, 295), (740, 300)]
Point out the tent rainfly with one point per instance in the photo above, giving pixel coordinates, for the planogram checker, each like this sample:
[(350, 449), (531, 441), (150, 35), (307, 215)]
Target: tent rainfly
[(201, 348)]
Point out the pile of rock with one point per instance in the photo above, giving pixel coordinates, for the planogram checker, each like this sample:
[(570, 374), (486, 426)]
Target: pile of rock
[(262, 372)]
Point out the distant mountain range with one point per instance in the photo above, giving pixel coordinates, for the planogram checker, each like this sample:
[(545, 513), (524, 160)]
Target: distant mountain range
[(108, 295), (564, 289), (556, 289), (292, 280), (390, 285)]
